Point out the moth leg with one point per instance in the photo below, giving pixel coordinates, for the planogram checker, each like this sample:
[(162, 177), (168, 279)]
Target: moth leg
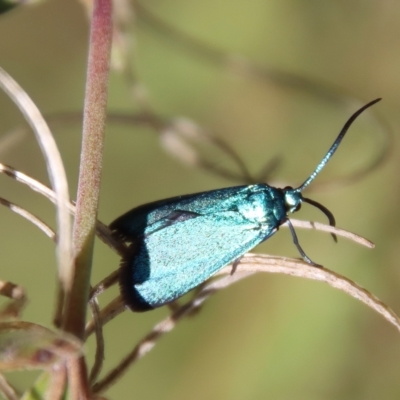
[(297, 244), (235, 264)]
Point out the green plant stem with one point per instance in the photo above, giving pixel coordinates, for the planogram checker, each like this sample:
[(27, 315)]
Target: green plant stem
[(91, 163), (94, 118)]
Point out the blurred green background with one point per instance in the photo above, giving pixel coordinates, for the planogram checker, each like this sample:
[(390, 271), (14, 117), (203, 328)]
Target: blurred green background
[(274, 337)]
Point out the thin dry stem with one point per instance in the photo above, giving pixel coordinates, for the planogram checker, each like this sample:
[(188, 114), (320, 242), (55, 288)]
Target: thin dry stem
[(113, 277), (116, 306), (55, 170), (7, 390), (250, 264), (18, 300), (102, 230), (30, 217), (11, 290), (174, 137), (107, 313), (78, 388), (99, 356), (149, 341), (264, 263), (272, 265), (331, 229), (57, 383), (106, 283), (172, 141), (241, 65)]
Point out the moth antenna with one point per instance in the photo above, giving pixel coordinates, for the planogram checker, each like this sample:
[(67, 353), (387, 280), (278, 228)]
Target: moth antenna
[(328, 213), (335, 145)]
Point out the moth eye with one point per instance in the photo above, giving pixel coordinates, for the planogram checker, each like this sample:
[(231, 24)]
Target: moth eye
[(297, 208)]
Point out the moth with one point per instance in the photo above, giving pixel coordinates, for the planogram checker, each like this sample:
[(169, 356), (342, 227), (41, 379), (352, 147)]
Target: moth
[(178, 243)]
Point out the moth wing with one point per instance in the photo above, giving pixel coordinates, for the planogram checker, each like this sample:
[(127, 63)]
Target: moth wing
[(170, 262), (153, 216)]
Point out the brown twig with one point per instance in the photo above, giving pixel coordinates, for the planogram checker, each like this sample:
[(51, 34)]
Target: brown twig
[(99, 356), (250, 264)]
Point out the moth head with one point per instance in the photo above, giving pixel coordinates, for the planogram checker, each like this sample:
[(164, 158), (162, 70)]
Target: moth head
[(292, 198)]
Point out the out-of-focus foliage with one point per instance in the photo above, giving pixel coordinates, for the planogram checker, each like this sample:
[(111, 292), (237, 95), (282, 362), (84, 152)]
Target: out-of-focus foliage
[(7, 5)]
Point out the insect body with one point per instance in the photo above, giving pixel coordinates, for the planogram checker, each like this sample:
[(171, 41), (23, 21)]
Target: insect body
[(178, 243)]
